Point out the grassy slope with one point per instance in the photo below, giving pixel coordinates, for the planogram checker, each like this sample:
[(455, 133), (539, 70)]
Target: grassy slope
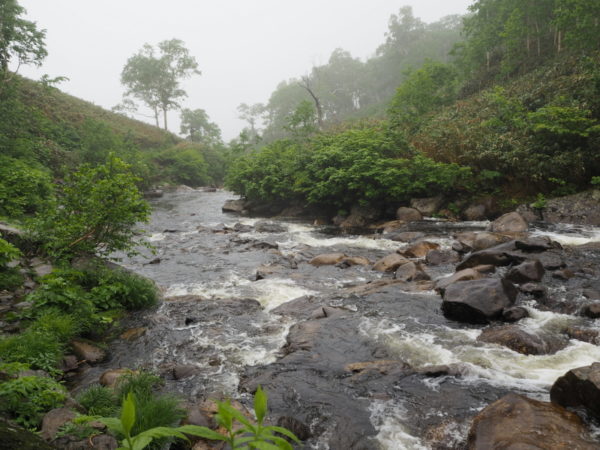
[(63, 108)]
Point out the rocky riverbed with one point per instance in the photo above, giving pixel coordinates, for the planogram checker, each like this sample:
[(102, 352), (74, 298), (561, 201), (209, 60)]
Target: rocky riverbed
[(397, 339)]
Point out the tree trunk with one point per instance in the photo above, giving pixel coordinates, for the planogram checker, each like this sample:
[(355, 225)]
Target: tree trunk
[(156, 117), (165, 118), (306, 85)]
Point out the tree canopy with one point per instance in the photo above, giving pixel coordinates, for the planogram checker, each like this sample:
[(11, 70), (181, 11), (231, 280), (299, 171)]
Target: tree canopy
[(154, 76)]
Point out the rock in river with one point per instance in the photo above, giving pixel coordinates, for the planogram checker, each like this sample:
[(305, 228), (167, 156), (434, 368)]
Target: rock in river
[(478, 301), (517, 422), (579, 388)]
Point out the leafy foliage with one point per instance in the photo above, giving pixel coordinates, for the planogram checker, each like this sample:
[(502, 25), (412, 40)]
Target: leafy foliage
[(8, 252), (96, 212), (23, 187), (98, 400), (39, 349), (26, 399)]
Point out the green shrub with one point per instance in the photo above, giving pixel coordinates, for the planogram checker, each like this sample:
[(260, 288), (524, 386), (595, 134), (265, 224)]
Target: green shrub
[(97, 211), (142, 385), (10, 278), (8, 252), (183, 164), (122, 289), (56, 323), (98, 400), (23, 187), (39, 349), (26, 399)]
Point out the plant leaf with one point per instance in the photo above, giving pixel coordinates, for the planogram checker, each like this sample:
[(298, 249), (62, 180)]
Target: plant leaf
[(128, 414), (202, 432), (263, 446), (260, 405), (113, 424), (284, 431), (140, 442), (160, 432)]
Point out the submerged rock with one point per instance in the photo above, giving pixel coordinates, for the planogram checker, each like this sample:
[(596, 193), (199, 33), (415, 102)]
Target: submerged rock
[(526, 272), (235, 206), (579, 388), (511, 222), (517, 422), (411, 272), (478, 301), (327, 259), (88, 352), (390, 263), (519, 340), (419, 249)]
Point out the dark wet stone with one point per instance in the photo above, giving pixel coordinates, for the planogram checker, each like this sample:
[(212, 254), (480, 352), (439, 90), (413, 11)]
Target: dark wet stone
[(452, 370), (517, 422), (411, 272), (181, 372), (405, 236), (520, 341), (591, 310), (564, 274), (514, 314), (299, 428), (419, 249), (235, 206), (440, 257), (14, 437), (551, 260), (154, 261), (408, 214), (88, 352), (390, 263), (54, 419), (511, 222), (264, 226), (536, 244), (500, 255), (526, 272), (589, 335), (591, 294), (579, 388), (533, 289), (478, 301)]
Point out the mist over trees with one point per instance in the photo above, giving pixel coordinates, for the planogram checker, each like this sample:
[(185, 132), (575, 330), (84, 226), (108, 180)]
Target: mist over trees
[(154, 76)]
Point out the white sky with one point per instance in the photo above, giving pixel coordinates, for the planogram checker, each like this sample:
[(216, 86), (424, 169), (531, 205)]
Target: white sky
[(244, 47)]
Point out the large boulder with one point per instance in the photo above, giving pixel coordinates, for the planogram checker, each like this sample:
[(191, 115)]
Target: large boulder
[(427, 206), (517, 422), (500, 255), (411, 272), (390, 263), (88, 352), (408, 214), (461, 275), (266, 226), (475, 212), (526, 272), (440, 257), (54, 419), (518, 340), (478, 301), (360, 217), (327, 259), (15, 437), (234, 206), (419, 249), (591, 310), (582, 208), (579, 388), (511, 222)]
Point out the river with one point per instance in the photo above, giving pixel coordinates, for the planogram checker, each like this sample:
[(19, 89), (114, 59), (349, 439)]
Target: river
[(242, 329)]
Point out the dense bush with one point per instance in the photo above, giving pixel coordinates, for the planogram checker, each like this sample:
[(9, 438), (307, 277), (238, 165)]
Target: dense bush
[(27, 399), (360, 165), (97, 211), (10, 277), (98, 400), (24, 187), (39, 349), (183, 164)]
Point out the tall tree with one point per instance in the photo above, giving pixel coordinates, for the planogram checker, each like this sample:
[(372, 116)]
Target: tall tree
[(20, 40), (197, 126), (154, 75)]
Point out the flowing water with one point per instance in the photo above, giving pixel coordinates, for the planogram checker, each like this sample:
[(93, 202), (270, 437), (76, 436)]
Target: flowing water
[(234, 331)]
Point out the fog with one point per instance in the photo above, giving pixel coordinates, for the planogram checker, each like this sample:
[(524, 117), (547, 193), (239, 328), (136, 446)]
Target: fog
[(244, 48)]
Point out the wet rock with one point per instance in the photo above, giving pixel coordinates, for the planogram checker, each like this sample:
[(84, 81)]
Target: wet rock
[(452, 370), (265, 226), (154, 193), (13, 437), (427, 206), (185, 371), (185, 298), (356, 261), (381, 366), (235, 206), (514, 314), (517, 422), (475, 212), (408, 214), (500, 255), (406, 236), (478, 301), (133, 333), (110, 377), (209, 189), (411, 272), (360, 217), (419, 249), (579, 388), (533, 289), (581, 208), (155, 261), (591, 310), (88, 352), (371, 287), (196, 416), (551, 260), (325, 311), (327, 259), (69, 363), (589, 335), (96, 442), (54, 419), (390, 263), (299, 428), (511, 222), (563, 274), (241, 228), (526, 272), (440, 257), (536, 244), (41, 270), (518, 340), (481, 240), (462, 275)]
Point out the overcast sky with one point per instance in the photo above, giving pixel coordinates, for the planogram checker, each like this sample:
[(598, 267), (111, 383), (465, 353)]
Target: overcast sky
[(244, 47)]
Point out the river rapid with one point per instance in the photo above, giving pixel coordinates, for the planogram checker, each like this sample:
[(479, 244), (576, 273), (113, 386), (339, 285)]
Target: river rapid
[(345, 357)]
